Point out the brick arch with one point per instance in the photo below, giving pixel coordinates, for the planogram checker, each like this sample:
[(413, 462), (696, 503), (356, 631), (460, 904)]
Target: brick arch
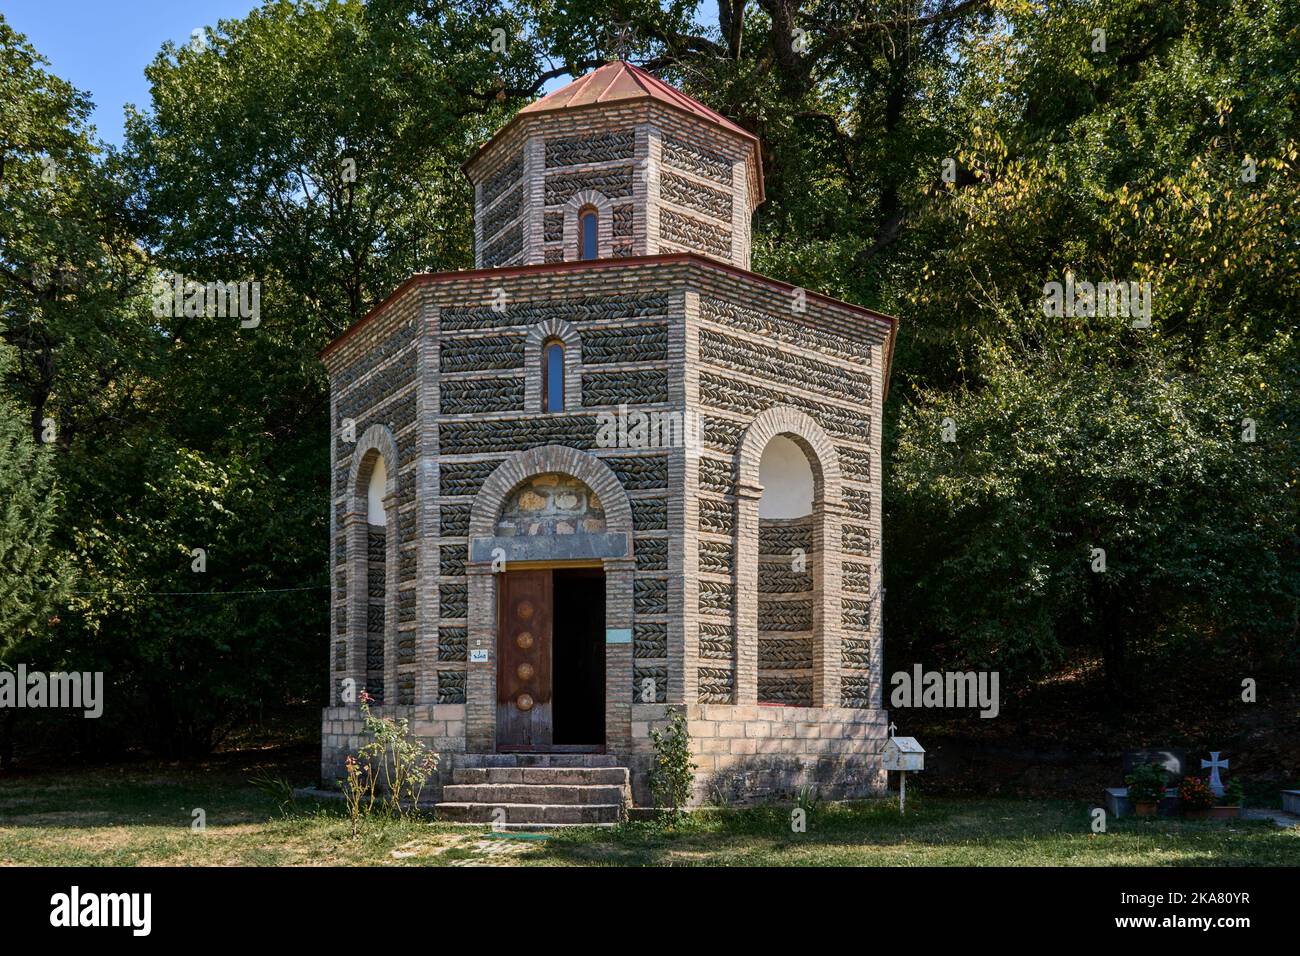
[(544, 459), (803, 430), (825, 562), (538, 335), (604, 223), (620, 573), (377, 441)]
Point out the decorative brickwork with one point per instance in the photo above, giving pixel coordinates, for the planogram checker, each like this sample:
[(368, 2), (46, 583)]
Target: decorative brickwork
[(637, 343), (766, 634), (640, 473), (553, 228), (483, 395), (693, 159), (502, 181), (697, 196), (505, 249), (652, 554), (484, 353), (692, 233), (587, 308), (502, 214), (611, 183), (598, 149), (625, 388)]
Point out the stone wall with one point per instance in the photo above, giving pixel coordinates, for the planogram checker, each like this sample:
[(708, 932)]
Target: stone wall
[(373, 389), (661, 180), (444, 368), (441, 727), (551, 504), (499, 200), (785, 611), (753, 753), (758, 349)]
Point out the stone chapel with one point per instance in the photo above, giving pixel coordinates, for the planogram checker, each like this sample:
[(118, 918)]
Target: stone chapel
[(607, 473)]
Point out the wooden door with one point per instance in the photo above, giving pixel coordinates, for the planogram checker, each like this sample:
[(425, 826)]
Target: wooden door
[(524, 617)]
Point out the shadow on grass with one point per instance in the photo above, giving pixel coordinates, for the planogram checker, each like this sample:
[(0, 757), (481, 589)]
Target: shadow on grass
[(942, 832), (143, 814)]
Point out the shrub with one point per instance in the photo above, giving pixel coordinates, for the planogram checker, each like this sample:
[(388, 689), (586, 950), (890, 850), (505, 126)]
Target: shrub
[(1195, 794), (673, 770), (1146, 784), (1233, 793), (390, 772)]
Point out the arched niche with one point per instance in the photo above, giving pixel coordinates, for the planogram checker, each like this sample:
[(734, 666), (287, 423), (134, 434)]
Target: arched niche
[(797, 551)]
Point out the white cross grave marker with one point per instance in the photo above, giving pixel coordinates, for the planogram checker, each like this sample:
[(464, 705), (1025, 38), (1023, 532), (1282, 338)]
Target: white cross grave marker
[(1215, 765)]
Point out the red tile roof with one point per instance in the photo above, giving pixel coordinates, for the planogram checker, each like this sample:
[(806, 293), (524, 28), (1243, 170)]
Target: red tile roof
[(623, 81)]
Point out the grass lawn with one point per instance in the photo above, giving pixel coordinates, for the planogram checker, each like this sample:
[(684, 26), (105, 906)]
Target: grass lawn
[(133, 817)]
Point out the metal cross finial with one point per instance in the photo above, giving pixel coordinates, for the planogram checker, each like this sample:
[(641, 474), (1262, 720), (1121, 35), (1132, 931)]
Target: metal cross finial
[(620, 38)]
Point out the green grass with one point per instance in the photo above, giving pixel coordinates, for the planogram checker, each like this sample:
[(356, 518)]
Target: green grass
[(140, 818)]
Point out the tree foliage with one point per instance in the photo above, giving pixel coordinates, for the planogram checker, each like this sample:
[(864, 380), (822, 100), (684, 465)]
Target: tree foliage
[(942, 160)]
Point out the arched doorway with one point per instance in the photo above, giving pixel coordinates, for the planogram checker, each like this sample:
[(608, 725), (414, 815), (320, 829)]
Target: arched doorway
[(550, 617)]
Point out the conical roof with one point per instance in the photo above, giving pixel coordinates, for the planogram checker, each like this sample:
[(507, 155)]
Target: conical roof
[(618, 82)]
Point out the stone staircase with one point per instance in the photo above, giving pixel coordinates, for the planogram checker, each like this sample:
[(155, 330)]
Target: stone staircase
[(536, 791)]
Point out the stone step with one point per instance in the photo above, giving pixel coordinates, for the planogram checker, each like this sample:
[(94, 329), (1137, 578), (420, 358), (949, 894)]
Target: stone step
[(530, 813), (533, 827), (614, 776), (518, 793), (536, 760)]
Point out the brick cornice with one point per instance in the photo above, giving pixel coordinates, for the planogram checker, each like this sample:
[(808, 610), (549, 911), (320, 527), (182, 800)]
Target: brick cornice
[(885, 323)]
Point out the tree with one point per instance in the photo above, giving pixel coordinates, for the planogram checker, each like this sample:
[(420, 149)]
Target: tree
[(1094, 492), (33, 570)]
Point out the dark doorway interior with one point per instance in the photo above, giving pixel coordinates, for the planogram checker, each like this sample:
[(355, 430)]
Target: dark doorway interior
[(579, 656)]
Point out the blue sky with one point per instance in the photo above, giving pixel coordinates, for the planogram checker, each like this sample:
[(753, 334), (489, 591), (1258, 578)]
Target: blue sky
[(103, 46)]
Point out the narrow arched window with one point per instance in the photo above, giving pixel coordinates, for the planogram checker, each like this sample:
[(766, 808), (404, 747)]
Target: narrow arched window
[(553, 376), (588, 230)]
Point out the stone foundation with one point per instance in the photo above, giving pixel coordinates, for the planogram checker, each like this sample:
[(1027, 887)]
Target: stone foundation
[(743, 754)]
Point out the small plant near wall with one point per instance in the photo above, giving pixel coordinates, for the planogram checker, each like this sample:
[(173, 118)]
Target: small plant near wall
[(358, 791), (1195, 797), (1146, 785), (389, 773), (673, 771), (1228, 806), (809, 800)]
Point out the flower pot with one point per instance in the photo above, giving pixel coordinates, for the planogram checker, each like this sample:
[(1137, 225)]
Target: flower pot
[(1224, 813), (1144, 808), (1196, 814)]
